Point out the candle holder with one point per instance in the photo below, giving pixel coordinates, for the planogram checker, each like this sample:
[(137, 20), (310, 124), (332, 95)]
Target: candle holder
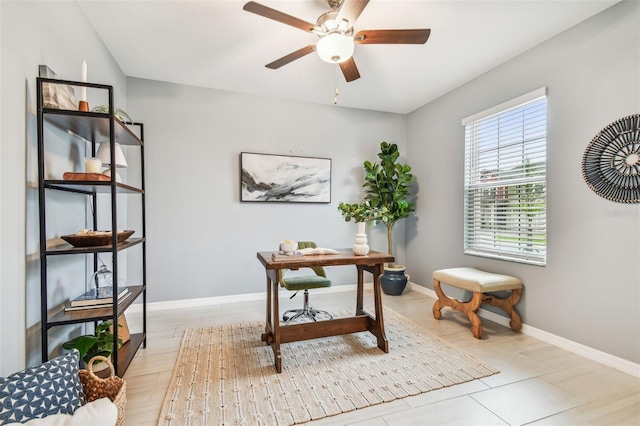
[(83, 106)]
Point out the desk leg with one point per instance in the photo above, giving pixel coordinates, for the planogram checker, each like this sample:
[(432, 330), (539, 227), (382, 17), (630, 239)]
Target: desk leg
[(277, 356), (267, 327), (271, 335), (360, 291), (383, 343)]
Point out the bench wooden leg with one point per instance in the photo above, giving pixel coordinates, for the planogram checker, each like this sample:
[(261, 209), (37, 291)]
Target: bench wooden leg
[(468, 308), (508, 305)]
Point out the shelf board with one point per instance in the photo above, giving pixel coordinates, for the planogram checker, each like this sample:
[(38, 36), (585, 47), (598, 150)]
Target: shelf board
[(91, 126), (69, 249), (94, 314), (51, 244), (90, 187), (125, 355), (128, 351)]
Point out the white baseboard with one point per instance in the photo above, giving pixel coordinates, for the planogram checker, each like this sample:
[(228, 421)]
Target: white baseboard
[(218, 300), (577, 348)]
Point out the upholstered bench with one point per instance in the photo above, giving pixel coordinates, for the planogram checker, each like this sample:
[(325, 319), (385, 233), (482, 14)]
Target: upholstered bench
[(479, 283)]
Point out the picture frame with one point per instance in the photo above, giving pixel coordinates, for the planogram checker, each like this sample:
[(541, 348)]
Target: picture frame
[(123, 329), (284, 178), (56, 96)]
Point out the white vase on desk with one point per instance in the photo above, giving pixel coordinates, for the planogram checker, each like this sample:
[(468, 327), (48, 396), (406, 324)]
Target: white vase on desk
[(360, 247)]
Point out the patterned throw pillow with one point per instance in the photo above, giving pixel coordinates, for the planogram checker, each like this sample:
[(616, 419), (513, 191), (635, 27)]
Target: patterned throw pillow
[(50, 388)]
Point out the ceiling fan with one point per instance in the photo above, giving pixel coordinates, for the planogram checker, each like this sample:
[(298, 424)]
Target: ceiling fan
[(335, 29)]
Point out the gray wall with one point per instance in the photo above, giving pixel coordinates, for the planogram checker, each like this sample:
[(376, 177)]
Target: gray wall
[(202, 240), (589, 292), (32, 33)]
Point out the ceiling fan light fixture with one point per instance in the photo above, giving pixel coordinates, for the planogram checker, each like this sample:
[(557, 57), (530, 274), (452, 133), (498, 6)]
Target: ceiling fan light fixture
[(335, 48)]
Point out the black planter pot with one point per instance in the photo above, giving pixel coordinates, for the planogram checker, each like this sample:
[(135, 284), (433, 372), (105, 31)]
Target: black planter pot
[(394, 281)]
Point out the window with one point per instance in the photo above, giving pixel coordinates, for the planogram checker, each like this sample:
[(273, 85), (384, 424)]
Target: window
[(505, 181)]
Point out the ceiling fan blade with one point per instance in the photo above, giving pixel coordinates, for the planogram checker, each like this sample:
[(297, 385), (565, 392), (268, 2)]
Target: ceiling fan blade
[(351, 10), (291, 57), (276, 15), (392, 36), (349, 70)]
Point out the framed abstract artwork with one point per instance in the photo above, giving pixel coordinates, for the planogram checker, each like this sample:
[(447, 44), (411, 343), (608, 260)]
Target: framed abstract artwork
[(284, 178)]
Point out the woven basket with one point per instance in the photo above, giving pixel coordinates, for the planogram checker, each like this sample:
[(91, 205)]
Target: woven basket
[(112, 387)]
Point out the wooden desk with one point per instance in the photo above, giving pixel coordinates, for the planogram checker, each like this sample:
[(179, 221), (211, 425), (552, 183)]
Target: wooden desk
[(275, 334)]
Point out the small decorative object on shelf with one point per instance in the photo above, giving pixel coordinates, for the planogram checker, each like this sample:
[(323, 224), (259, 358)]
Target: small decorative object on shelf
[(83, 105), (102, 279), (88, 238), (117, 113), (104, 155), (92, 165), (105, 304), (100, 296), (56, 96), (85, 176), (123, 329)]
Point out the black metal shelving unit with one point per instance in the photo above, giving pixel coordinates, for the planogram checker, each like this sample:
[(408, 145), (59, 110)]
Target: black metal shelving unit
[(90, 126)]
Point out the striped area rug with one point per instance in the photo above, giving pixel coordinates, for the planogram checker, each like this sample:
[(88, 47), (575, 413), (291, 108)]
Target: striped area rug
[(224, 375)]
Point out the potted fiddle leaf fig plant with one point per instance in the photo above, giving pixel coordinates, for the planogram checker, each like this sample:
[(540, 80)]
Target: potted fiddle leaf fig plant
[(98, 343), (387, 189)]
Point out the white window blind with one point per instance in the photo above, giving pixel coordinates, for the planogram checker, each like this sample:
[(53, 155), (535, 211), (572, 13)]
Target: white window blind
[(505, 181)]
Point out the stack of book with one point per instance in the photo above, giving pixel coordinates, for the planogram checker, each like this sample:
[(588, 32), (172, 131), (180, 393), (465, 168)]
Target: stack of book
[(97, 298), (280, 255)]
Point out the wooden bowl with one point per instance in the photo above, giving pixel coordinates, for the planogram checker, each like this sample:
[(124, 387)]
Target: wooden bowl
[(95, 240)]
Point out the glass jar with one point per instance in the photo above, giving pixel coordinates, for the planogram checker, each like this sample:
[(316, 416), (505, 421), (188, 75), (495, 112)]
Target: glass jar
[(102, 278)]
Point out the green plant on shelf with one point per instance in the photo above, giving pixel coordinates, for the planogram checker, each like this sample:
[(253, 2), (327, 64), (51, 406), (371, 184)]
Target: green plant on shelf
[(99, 343), (118, 113)]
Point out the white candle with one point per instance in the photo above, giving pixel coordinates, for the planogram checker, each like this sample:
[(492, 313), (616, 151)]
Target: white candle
[(92, 165), (83, 90)]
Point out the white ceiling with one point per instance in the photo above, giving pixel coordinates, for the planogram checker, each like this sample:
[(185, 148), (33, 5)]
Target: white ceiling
[(216, 44)]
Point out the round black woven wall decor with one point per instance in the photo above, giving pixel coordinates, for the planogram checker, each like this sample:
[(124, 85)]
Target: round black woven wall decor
[(611, 162)]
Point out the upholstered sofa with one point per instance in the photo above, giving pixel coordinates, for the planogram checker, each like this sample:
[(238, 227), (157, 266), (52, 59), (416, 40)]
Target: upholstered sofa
[(51, 394)]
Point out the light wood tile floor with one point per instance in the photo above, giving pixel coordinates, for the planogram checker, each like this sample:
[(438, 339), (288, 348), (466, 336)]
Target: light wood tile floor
[(539, 383)]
